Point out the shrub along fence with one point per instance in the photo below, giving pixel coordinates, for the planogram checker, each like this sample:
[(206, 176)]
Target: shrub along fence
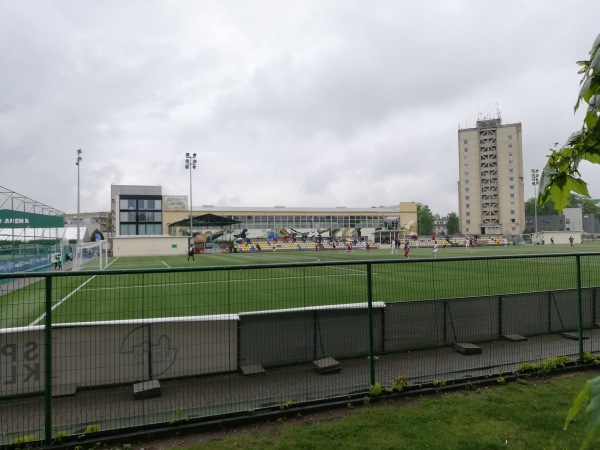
[(92, 353)]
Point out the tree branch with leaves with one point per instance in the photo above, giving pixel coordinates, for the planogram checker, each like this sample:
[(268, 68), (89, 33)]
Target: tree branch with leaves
[(561, 175)]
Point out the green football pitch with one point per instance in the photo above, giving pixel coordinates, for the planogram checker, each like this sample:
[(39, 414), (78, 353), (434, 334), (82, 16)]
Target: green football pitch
[(218, 284)]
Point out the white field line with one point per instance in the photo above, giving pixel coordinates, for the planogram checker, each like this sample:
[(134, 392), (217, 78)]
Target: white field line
[(351, 270), (262, 256), (245, 280), (166, 264), (39, 319), (112, 261), (302, 259)]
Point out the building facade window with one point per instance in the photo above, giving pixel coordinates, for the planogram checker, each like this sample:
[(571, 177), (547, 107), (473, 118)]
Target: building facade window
[(140, 215)]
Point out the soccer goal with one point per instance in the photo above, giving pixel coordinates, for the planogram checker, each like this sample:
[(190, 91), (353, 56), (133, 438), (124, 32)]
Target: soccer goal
[(526, 239), (90, 255)]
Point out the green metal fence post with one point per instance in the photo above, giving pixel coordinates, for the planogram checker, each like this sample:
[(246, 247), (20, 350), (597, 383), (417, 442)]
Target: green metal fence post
[(370, 308), (579, 309), (48, 362)]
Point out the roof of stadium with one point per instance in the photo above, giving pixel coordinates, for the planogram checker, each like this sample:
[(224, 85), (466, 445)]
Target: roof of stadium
[(208, 208)]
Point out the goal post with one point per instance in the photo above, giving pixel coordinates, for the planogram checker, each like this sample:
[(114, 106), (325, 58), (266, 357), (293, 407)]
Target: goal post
[(90, 255)]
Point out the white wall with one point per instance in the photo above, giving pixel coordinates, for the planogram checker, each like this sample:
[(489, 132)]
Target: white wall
[(149, 245), (118, 352), (560, 237)]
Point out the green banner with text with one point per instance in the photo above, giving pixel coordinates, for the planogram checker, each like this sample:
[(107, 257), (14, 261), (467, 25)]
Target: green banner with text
[(20, 219)]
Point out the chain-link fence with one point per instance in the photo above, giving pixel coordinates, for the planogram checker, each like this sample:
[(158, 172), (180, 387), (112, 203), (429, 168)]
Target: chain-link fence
[(99, 352)]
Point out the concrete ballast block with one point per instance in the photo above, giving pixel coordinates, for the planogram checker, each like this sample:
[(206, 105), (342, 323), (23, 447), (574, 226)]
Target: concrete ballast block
[(467, 348), (327, 365), (146, 389), (252, 369), (573, 335), (514, 337)]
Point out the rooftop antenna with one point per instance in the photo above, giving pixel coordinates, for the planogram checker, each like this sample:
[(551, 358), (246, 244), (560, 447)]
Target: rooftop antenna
[(498, 112)]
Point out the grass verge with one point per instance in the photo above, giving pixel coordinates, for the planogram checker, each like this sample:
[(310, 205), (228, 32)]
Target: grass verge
[(517, 416)]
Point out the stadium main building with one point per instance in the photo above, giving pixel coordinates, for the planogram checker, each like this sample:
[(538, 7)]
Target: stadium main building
[(146, 211)]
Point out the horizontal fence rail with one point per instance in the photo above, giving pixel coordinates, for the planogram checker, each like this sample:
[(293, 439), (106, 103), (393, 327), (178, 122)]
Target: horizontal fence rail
[(98, 352)]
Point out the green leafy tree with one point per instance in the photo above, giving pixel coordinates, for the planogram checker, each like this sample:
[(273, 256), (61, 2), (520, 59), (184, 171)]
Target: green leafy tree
[(587, 205), (452, 225), (561, 175), (425, 219), (547, 209)]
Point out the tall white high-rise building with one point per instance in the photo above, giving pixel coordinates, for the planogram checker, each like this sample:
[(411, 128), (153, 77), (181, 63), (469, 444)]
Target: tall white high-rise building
[(490, 187)]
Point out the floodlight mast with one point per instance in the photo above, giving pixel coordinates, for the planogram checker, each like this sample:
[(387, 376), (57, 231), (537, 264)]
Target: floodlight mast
[(77, 161), (535, 181), (190, 163)]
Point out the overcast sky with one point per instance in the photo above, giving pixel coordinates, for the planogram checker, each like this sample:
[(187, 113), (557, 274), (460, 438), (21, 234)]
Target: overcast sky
[(296, 103)]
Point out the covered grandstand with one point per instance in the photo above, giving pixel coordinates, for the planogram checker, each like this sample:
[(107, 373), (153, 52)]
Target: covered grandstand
[(206, 229)]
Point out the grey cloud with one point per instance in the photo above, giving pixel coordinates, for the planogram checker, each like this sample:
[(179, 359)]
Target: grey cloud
[(323, 103)]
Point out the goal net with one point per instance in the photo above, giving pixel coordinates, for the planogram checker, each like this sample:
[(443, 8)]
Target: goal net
[(526, 239), (90, 255)]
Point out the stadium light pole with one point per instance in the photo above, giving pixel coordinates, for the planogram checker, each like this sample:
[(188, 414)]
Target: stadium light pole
[(190, 163), (535, 181), (77, 161)]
